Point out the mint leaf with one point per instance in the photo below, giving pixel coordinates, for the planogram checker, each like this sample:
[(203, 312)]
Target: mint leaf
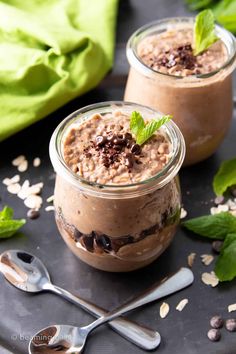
[(225, 13), (225, 267), (150, 129), (8, 226), (6, 213), (212, 226), (204, 31), (199, 4), (136, 123), (225, 177)]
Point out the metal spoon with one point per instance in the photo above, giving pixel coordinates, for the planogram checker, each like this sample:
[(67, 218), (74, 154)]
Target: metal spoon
[(71, 340), (26, 272)]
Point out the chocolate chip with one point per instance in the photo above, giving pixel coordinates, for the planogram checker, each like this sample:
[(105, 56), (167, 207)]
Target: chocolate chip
[(217, 245), (120, 141), (230, 325), (76, 234), (150, 231), (104, 242), (216, 322), (136, 149), (110, 137), (87, 242), (33, 214), (214, 335), (219, 200), (129, 162), (88, 155), (128, 136), (117, 147), (100, 140)]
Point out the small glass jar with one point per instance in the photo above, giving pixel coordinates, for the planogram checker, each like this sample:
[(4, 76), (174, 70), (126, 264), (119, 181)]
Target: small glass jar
[(200, 104), (117, 228)]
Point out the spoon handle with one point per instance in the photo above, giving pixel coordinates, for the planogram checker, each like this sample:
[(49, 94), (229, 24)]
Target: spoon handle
[(142, 336), (181, 279)]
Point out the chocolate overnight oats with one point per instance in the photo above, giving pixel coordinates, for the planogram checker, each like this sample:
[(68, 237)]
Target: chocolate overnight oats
[(197, 89), (117, 202)]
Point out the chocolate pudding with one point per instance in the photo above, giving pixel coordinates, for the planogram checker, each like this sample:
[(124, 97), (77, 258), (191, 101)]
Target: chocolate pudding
[(196, 90), (117, 203)]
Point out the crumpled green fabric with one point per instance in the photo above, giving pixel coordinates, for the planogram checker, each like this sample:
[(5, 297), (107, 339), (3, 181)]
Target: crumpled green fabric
[(50, 52)]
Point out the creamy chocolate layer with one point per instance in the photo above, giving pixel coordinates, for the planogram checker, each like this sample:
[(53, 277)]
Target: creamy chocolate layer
[(171, 52), (103, 150)]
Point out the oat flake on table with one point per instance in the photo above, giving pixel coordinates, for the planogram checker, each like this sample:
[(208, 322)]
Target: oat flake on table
[(210, 279), (181, 305), (207, 259), (191, 259), (232, 308), (164, 310)]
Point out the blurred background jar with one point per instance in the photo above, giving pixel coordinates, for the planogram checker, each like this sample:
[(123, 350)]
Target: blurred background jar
[(200, 104)]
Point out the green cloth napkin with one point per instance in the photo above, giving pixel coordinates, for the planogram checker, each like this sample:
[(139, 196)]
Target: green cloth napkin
[(50, 52)]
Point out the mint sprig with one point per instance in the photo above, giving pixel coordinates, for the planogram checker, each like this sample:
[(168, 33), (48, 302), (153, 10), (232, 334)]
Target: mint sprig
[(144, 131), (204, 31), (9, 226)]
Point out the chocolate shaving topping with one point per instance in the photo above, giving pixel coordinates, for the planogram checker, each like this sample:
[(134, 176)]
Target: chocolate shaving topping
[(182, 56), (113, 148)]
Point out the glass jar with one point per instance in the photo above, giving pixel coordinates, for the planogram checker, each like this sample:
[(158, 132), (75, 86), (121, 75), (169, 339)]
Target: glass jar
[(117, 228), (200, 104)]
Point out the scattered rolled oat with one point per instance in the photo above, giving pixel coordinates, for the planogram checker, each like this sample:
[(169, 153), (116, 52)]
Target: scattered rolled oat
[(14, 188), (36, 162), (164, 310), (210, 279), (50, 208), (181, 305), (6, 181), (191, 258), (23, 166), (232, 308), (18, 160), (207, 259), (219, 209), (23, 192), (14, 179), (183, 213), (50, 199), (33, 201)]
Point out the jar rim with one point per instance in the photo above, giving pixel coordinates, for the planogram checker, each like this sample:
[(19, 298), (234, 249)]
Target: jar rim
[(113, 190), (142, 32)]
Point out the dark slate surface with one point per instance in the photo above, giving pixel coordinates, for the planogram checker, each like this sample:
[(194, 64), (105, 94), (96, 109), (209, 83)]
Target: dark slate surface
[(23, 314)]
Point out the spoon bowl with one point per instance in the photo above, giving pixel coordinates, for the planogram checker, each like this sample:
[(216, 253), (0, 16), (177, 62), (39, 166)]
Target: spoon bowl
[(23, 270)]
